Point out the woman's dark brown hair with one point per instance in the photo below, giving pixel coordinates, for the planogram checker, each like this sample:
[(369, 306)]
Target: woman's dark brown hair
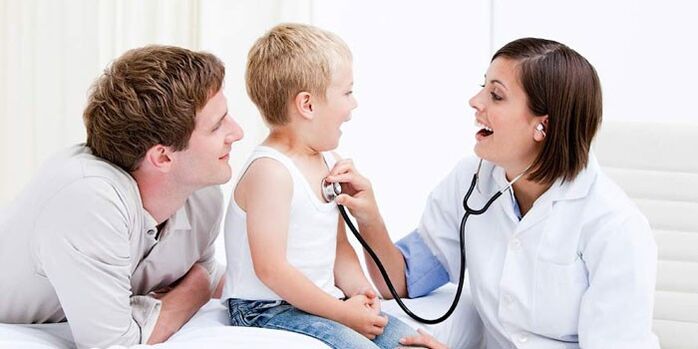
[(562, 84)]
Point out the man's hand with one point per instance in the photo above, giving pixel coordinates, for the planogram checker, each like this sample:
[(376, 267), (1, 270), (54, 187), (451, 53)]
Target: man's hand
[(181, 303)]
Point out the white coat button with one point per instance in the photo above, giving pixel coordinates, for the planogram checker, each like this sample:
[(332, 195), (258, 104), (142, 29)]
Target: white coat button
[(515, 244), (522, 338), (151, 231)]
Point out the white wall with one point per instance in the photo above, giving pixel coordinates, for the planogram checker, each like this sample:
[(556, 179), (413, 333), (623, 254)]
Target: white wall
[(416, 65), (644, 51), (51, 52)]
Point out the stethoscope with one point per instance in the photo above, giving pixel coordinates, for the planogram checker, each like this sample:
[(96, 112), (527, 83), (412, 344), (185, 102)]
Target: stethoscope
[(330, 191)]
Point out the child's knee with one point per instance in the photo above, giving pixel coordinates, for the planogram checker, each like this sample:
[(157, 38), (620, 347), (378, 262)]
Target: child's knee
[(348, 338), (394, 330)]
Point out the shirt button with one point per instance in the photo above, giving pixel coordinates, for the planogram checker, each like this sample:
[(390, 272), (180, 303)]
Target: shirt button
[(150, 231), (515, 244), (522, 338), (508, 299)]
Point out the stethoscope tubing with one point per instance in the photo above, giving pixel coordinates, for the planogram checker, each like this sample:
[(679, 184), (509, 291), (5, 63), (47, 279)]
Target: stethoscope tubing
[(461, 279)]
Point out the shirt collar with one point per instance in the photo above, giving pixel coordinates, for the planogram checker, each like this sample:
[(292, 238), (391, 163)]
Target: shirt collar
[(573, 189), (579, 187), (178, 221), (149, 222)]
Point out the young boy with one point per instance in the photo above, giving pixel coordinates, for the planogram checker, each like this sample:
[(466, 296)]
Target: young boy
[(290, 265)]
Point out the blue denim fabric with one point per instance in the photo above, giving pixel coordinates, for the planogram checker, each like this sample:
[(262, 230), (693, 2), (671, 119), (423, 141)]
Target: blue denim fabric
[(423, 271), (281, 315)]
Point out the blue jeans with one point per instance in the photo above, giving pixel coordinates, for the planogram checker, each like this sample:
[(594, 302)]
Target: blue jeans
[(281, 315)]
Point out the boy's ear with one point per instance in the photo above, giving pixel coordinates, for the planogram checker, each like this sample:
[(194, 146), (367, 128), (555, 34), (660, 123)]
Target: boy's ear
[(159, 158), (304, 105)]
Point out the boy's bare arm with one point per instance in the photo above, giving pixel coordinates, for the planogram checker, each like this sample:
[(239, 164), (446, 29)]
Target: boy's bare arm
[(268, 191), (348, 274)]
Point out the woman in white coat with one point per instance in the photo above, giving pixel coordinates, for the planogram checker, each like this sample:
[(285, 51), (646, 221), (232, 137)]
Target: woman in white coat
[(565, 259)]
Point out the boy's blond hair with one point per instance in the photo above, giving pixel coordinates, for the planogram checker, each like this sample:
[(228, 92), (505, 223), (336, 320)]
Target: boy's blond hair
[(289, 59)]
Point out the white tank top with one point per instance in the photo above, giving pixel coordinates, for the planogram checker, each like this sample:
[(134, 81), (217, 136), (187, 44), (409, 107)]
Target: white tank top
[(311, 241)]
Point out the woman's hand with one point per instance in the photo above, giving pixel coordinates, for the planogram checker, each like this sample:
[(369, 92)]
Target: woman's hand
[(358, 197), (357, 193), (423, 340)]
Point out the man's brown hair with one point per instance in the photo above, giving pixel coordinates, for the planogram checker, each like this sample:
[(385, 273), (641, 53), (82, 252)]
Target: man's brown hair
[(149, 96), (562, 84)]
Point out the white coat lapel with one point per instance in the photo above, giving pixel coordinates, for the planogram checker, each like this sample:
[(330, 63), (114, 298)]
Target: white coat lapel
[(541, 209), (559, 191), (504, 202)]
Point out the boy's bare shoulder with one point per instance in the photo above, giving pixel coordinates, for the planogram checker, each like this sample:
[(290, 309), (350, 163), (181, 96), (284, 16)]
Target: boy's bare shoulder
[(266, 171), (265, 179)]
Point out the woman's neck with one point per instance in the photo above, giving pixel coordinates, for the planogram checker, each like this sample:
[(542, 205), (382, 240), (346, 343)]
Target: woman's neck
[(526, 191)]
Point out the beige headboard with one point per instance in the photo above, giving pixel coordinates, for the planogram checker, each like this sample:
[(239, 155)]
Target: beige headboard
[(657, 166)]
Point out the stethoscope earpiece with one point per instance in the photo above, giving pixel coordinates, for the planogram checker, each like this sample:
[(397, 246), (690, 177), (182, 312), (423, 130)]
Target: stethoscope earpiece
[(541, 129), (330, 191)]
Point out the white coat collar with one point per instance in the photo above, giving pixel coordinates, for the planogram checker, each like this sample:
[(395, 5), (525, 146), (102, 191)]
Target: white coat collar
[(580, 186), (577, 188)]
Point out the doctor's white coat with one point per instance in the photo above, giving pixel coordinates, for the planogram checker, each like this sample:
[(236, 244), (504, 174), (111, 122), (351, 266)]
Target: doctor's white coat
[(577, 271)]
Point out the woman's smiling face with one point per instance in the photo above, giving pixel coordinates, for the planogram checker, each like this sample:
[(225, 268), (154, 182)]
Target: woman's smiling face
[(507, 133)]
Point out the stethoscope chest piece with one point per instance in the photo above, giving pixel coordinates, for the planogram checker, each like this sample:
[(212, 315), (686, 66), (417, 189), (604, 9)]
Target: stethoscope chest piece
[(330, 191)]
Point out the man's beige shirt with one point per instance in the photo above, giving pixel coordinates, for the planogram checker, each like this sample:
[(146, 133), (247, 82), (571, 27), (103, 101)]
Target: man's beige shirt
[(77, 244)]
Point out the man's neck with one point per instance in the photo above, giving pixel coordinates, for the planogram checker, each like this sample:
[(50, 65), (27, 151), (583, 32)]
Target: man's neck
[(161, 197)]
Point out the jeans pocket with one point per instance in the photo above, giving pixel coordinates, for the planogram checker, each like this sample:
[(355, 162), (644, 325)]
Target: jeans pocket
[(248, 313)]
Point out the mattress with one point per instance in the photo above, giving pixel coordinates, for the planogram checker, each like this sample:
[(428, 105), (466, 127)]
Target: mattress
[(209, 328)]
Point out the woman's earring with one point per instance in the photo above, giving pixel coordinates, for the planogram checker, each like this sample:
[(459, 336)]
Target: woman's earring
[(540, 128)]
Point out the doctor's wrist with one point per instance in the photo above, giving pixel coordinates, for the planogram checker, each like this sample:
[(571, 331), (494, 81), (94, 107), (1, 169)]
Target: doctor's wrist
[(371, 224)]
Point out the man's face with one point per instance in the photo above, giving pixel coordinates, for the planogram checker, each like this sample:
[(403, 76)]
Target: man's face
[(205, 161)]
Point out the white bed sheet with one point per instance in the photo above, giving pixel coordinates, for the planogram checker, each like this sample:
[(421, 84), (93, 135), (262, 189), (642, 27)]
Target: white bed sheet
[(209, 329)]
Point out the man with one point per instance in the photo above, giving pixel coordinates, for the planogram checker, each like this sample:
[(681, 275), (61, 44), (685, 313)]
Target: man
[(117, 235)]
